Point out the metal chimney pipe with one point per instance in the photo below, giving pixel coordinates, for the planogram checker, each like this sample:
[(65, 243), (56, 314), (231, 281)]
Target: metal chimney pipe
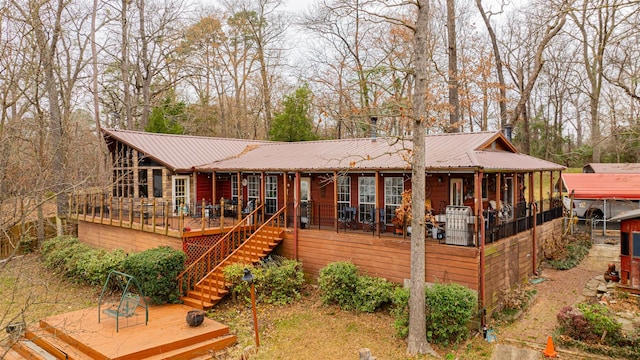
[(374, 130), (508, 131)]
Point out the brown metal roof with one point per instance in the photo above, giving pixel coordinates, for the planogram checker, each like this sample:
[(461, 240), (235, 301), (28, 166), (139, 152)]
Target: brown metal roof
[(181, 152), (444, 152), (602, 168)]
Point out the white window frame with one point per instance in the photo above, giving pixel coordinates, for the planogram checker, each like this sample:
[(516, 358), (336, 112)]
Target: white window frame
[(271, 194), (393, 189), (253, 187), (344, 193), (180, 186), (456, 192), (366, 196), (234, 188)]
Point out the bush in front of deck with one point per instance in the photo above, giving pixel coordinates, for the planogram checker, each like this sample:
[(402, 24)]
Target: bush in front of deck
[(80, 262), (339, 283), (449, 309), (276, 282), (156, 271)]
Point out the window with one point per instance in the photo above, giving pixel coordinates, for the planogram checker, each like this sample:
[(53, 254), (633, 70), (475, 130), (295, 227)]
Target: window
[(271, 194), (344, 193), (456, 195), (485, 188), (393, 188), (367, 196), (234, 188), (253, 188), (143, 183), (157, 183)]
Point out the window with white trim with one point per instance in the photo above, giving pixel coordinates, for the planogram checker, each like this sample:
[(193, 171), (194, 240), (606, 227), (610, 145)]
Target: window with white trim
[(253, 188), (393, 188), (234, 188), (344, 193), (366, 196), (456, 192), (271, 194)]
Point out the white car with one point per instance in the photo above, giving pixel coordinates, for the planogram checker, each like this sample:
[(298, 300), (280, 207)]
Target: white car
[(595, 209)]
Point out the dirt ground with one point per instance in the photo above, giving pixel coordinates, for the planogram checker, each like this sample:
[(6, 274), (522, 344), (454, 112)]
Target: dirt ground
[(561, 288)]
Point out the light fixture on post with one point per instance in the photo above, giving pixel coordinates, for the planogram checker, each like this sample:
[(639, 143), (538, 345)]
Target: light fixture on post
[(248, 277)]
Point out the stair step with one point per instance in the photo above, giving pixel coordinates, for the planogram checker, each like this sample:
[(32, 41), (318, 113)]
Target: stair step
[(196, 303), (37, 350), (202, 349), (199, 294)]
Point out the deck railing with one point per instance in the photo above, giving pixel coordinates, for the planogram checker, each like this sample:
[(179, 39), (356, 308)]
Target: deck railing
[(207, 262), (207, 265), (151, 214)]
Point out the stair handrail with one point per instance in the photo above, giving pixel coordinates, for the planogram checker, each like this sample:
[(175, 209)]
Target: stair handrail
[(275, 218), (205, 259)]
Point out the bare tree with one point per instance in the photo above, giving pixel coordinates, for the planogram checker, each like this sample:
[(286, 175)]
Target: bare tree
[(502, 101)]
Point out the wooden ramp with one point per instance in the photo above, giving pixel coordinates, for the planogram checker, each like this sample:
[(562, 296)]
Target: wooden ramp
[(78, 335)]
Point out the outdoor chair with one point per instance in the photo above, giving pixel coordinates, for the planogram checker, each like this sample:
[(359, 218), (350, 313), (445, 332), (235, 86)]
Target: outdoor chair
[(348, 217), (371, 223)]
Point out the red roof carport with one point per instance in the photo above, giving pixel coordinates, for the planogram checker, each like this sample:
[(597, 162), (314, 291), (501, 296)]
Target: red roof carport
[(602, 186)]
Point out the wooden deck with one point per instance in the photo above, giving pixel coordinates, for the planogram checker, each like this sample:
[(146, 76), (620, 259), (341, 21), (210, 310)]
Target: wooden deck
[(167, 336)]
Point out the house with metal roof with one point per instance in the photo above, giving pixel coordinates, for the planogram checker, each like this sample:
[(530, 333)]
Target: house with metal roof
[(332, 200)]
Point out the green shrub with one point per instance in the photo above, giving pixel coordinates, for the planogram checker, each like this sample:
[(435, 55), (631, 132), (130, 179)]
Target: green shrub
[(450, 307), (575, 253), (372, 292), (281, 281), (601, 321), (276, 282), (95, 269), (400, 311), (337, 284), (56, 251), (156, 270)]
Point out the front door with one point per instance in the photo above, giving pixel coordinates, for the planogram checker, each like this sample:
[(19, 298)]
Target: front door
[(180, 186)]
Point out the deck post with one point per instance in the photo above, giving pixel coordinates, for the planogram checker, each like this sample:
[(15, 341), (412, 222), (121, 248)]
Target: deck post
[(335, 200)]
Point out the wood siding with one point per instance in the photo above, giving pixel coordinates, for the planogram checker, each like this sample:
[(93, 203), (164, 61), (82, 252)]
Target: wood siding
[(112, 237), (381, 256), (509, 261)]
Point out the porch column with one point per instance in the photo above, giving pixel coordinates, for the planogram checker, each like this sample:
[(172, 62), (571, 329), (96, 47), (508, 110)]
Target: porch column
[(477, 197), (136, 190), (541, 207), (531, 199), (335, 200), (377, 206), (285, 182), (262, 195), (296, 208), (550, 189), (498, 190), (240, 195), (214, 196)]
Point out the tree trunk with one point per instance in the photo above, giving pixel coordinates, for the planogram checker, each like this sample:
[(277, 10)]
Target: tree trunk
[(124, 69), (94, 65), (47, 51), (417, 339), (454, 112)]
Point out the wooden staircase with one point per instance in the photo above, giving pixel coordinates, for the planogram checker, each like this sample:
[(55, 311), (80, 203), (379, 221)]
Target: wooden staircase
[(203, 281)]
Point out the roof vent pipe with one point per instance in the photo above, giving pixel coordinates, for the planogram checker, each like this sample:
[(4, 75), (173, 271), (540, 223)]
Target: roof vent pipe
[(508, 130), (374, 130)]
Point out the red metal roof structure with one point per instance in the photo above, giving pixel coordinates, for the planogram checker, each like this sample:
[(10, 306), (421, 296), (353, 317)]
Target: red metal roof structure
[(602, 186), (606, 168)]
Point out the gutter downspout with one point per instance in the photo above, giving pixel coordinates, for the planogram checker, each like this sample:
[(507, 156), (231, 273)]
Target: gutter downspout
[(534, 256)]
